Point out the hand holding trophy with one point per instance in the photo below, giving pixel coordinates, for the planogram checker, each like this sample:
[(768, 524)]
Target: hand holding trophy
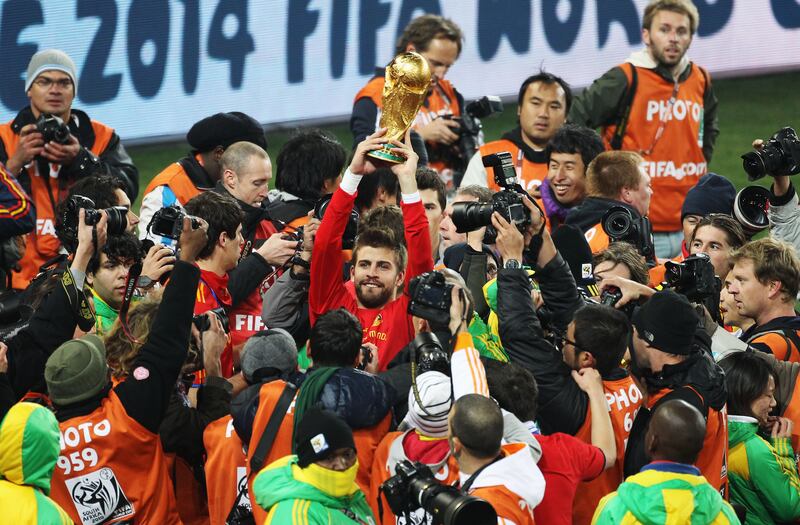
[(408, 78)]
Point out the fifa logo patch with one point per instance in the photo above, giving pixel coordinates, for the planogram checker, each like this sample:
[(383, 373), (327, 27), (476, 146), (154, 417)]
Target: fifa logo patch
[(98, 497), (319, 444)]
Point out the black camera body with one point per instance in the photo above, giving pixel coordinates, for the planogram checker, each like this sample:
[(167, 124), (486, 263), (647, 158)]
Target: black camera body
[(611, 296), (168, 222), (470, 216), (695, 279), (621, 225), (431, 297), (68, 221), (350, 231), (203, 323), (414, 487), (52, 129), (780, 156), (366, 357)]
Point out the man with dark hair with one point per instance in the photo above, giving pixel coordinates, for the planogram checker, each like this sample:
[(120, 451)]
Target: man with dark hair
[(201, 168), (662, 105), (764, 282), (106, 192), (595, 338), (439, 40), (673, 363), (612, 179), (543, 103), (507, 477), (569, 153), (380, 189), (379, 260), (106, 276), (670, 489), (46, 170), (336, 338), (434, 198)]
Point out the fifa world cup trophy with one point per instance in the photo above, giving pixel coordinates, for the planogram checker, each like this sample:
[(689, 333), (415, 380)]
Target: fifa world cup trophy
[(408, 78)]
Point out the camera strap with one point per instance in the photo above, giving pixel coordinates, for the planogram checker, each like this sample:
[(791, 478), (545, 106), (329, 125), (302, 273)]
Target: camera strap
[(468, 484), (130, 285), (271, 430)]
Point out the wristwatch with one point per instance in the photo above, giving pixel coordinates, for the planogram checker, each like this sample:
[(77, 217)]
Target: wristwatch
[(512, 264)]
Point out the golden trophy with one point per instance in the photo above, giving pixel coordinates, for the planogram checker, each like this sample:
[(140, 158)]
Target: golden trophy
[(408, 78)]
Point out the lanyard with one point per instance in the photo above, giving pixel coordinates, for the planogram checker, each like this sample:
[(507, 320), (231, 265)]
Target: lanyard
[(518, 164), (214, 295), (663, 124)]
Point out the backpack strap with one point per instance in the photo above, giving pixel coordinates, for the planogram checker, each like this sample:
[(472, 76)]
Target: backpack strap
[(790, 337), (271, 430), (624, 110)]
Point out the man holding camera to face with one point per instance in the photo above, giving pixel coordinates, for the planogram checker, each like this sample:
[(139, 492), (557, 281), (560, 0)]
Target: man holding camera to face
[(49, 145)]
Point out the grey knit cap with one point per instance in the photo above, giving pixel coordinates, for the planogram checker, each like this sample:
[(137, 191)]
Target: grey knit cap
[(273, 348), (48, 60)]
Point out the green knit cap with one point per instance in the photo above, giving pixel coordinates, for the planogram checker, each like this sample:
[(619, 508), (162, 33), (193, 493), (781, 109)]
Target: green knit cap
[(77, 370)]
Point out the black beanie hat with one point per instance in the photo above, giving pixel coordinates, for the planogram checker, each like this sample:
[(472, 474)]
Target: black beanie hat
[(712, 194), (223, 129), (319, 434), (667, 322)]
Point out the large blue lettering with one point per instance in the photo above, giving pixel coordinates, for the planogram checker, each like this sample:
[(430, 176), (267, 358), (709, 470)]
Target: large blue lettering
[(235, 48), (338, 47), (96, 86), (714, 14), (373, 15), (622, 11), (561, 35), (302, 23), (496, 18), (15, 16), (786, 12), (148, 22), (190, 47)]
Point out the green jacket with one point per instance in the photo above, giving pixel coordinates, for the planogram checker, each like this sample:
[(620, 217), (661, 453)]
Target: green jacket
[(762, 475), (665, 492), (28, 452), (292, 502), (104, 315)]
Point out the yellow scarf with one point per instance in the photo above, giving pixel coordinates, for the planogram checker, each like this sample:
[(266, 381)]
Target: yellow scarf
[(332, 482)]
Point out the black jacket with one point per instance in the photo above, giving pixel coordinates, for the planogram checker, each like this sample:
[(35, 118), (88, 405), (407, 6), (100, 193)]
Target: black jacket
[(114, 160), (562, 404), (146, 400), (698, 371), (591, 211)]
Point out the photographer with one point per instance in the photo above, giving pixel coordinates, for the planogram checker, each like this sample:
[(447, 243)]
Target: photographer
[(595, 338), (49, 145), (120, 424), (317, 485), (379, 260), (106, 275), (542, 106), (439, 41), (672, 362), (434, 199), (764, 282), (718, 236), (612, 179), (200, 170)]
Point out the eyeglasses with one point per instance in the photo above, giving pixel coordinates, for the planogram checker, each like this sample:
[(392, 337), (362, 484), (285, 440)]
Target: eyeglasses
[(560, 339), (47, 83)]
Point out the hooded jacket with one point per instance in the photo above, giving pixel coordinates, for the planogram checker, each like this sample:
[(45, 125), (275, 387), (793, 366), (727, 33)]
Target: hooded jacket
[(701, 383), (28, 453), (763, 475), (292, 502), (662, 493)]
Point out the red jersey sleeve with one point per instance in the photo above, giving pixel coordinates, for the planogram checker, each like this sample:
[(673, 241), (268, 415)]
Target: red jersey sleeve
[(327, 290), (418, 240), (589, 460)]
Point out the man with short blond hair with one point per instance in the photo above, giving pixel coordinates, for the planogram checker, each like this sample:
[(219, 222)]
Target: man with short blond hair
[(662, 105), (764, 282)]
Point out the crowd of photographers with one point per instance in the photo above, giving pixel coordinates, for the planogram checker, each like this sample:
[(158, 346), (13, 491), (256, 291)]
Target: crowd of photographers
[(483, 333)]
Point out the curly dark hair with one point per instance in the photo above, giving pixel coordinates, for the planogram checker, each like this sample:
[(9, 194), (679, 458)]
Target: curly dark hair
[(222, 214)]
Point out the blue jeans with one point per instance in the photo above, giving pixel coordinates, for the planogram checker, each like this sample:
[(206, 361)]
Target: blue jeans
[(667, 244)]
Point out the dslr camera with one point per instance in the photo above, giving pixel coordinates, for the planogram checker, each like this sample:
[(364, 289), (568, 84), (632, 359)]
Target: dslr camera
[(52, 129), (469, 134), (431, 297), (611, 296), (168, 222), (470, 216), (750, 209), (696, 280), (68, 220), (780, 156), (203, 323), (413, 487), (429, 355), (621, 225), (350, 231)]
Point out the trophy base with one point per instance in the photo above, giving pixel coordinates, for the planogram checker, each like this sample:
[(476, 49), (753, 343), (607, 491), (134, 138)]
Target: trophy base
[(385, 154)]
